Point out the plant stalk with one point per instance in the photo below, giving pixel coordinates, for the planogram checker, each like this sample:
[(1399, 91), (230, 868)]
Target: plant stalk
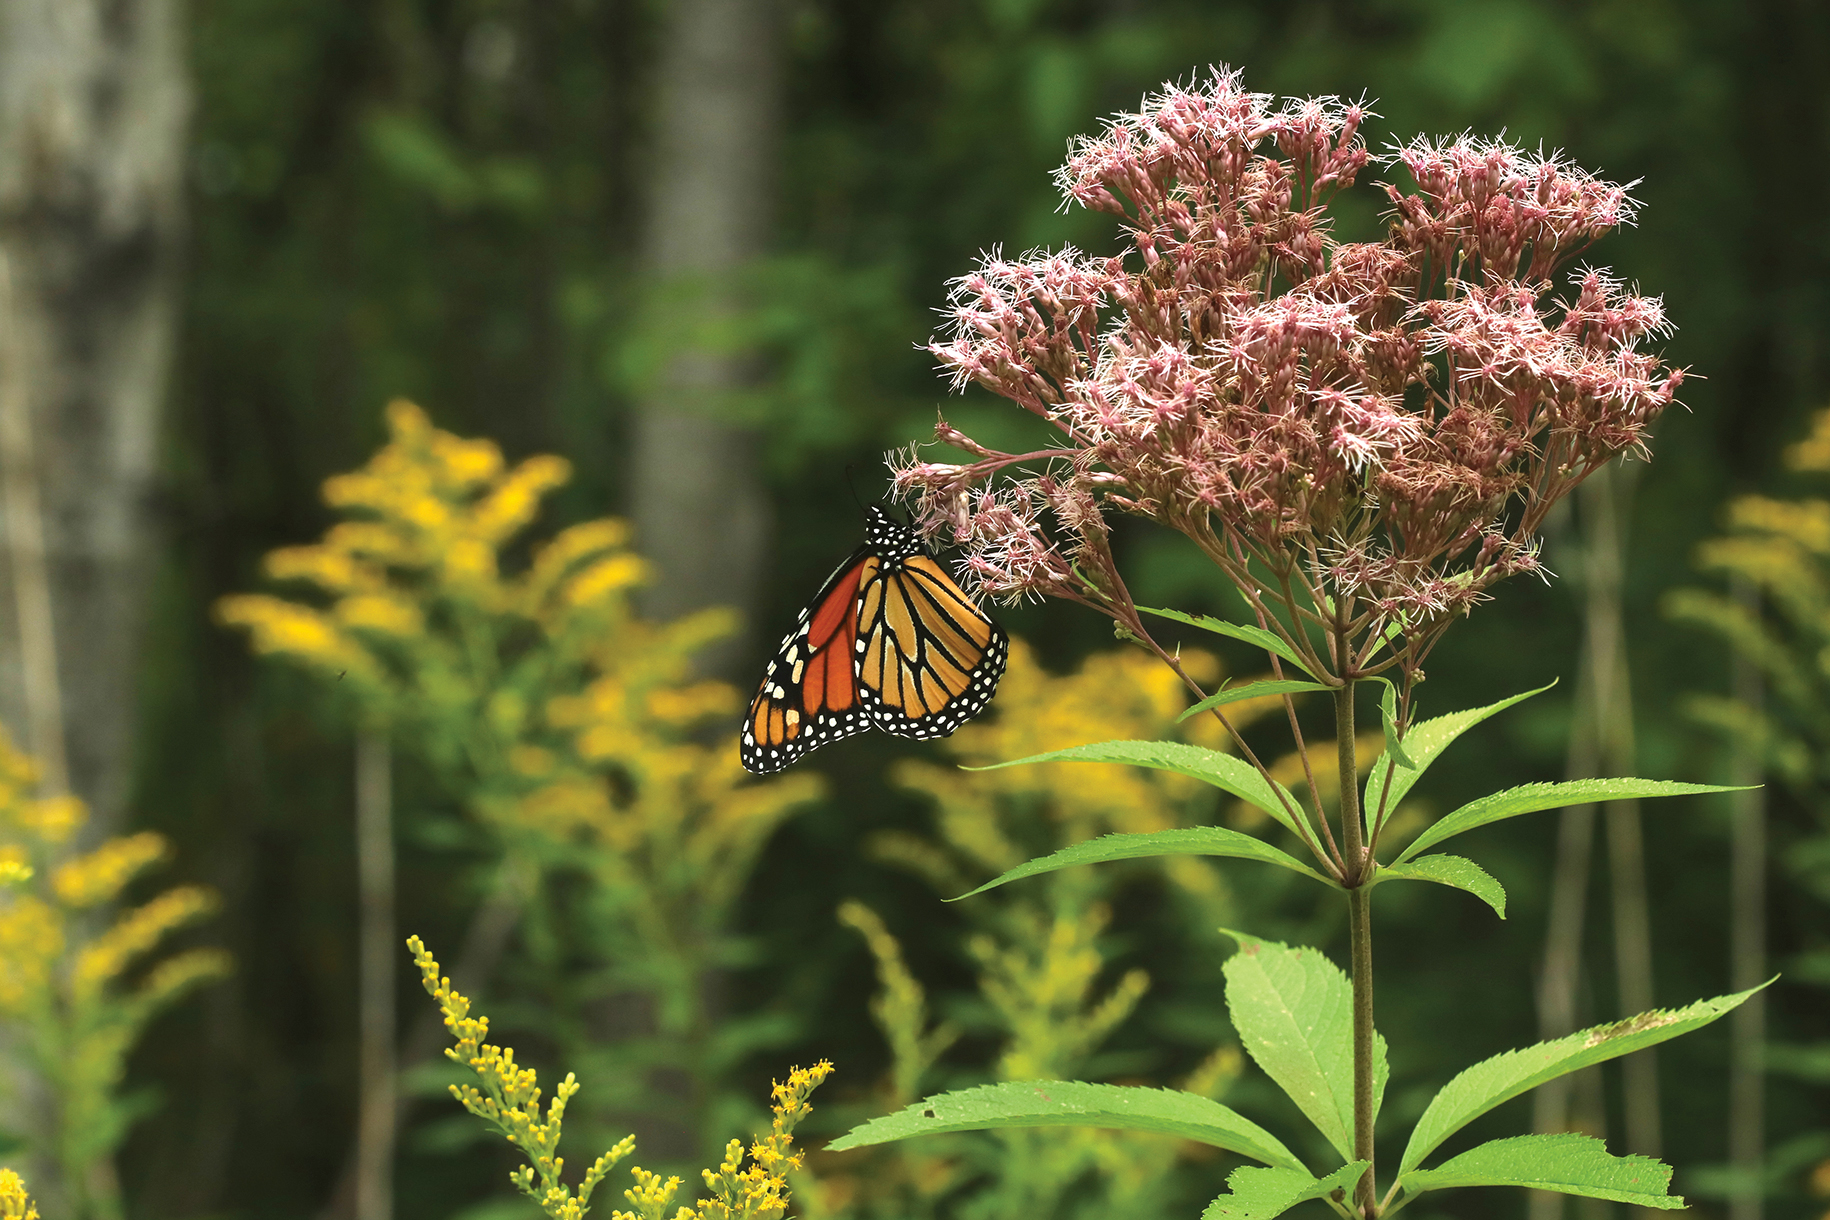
[(1359, 924)]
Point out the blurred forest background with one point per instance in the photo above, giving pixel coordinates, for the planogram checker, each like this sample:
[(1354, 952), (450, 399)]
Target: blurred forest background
[(691, 246)]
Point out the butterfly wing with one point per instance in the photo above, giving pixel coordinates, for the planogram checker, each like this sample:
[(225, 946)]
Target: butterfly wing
[(809, 694), (928, 658)]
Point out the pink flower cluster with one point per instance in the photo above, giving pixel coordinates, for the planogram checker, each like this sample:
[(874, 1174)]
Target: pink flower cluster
[(1368, 434)]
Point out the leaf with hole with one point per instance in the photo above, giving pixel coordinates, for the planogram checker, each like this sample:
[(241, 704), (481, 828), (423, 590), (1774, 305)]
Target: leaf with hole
[(1075, 1103), (1503, 1077)]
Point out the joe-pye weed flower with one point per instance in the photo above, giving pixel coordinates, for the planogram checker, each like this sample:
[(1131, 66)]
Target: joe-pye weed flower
[(1364, 436)]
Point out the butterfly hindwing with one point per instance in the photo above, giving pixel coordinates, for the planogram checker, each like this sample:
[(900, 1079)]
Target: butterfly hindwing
[(928, 659)]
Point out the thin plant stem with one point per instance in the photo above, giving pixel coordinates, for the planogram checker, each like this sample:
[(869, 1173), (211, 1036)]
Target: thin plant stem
[(1359, 922)]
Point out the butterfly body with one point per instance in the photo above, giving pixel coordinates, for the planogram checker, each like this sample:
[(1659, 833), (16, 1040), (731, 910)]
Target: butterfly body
[(889, 642)]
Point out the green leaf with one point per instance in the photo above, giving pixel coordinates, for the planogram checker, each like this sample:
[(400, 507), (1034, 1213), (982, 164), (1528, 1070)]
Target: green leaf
[(1568, 1164), (1075, 1103), (1503, 1077), (1450, 870), (1223, 771), (1191, 841), (1424, 742), (1251, 690), (1270, 641), (1530, 798), (1388, 716), (1259, 1194), (1293, 1009)]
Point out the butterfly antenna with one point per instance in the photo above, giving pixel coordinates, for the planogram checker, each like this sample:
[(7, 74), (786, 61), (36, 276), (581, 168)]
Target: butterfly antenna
[(852, 486)]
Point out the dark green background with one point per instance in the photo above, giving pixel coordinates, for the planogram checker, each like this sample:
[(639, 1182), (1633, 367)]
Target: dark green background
[(373, 215)]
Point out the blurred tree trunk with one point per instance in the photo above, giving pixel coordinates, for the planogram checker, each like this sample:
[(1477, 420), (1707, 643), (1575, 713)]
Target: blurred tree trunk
[(699, 502), (93, 106), (93, 103)]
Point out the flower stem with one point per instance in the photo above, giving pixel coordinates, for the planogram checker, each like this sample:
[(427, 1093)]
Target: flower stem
[(1359, 924)]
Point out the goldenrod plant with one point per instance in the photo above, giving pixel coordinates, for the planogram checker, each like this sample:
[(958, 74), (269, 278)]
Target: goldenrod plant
[(1045, 981), (507, 1098), (571, 730), (15, 1203), (76, 989)]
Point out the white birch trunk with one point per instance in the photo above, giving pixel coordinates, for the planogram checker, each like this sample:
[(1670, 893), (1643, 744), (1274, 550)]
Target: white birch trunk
[(93, 105)]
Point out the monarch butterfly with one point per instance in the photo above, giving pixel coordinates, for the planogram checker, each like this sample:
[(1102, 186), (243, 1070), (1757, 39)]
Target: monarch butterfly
[(889, 641)]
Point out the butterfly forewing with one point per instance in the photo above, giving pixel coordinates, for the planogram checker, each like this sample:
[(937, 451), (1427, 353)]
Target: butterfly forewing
[(809, 693)]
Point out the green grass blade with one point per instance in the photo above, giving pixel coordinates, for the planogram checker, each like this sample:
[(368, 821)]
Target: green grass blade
[(1498, 1080), (1223, 771), (1453, 871), (1191, 841), (1530, 798), (1567, 1164), (1293, 1010), (1270, 641), (1074, 1103), (1259, 1194), (1424, 742), (1251, 690)]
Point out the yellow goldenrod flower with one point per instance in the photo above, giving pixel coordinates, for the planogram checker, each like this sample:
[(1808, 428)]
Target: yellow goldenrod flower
[(100, 875), (135, 932), (389, 614), (31, 942), (509, 1100), (15, 1204)]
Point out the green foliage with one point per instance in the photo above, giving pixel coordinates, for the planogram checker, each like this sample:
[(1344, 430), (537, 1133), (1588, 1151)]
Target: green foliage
[(1503, 1077), (1074, 1103), (1223, 771), (1270, 641), (1293, 1009), (1462, 874), (1390, 781), (1534, 798), (1251, 690), (1187, 841), (1569, 1164), (1259, 1194)]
